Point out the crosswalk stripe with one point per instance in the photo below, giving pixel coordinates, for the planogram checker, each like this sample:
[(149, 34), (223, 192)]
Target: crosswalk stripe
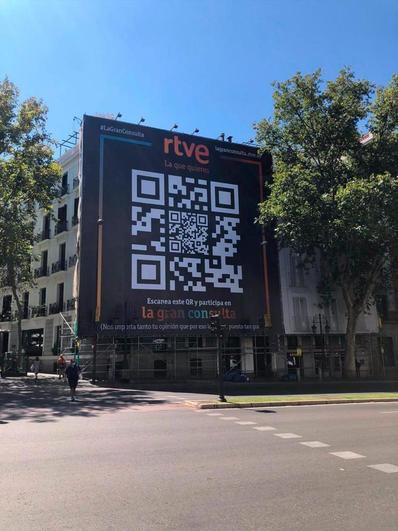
[(287, 435), (385, 467), (347, 455), (314, 444)]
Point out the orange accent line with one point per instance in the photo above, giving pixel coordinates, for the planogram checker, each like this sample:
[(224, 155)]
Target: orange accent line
[(99, 276)]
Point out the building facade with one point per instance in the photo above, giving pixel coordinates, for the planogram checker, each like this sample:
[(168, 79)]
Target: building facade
[(297, 336), (50, 303)]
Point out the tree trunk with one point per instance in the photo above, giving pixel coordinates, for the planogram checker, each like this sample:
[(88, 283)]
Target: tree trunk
[(19, 324), (349, 358)]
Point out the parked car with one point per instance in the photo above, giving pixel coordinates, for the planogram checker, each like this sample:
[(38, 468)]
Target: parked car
[(235, 375)]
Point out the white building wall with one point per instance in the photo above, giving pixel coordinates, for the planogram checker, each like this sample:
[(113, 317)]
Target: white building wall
[(70, 164), (301, 301)]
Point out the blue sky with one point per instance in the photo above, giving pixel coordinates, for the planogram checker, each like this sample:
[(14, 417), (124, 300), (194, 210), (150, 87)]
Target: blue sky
[(200, 63)]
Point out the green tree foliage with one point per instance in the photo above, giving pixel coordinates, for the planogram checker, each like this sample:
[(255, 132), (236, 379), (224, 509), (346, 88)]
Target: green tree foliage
[(29, 180), (335, 197)]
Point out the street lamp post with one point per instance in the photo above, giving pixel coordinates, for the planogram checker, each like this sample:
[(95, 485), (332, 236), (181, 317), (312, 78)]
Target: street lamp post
[(324, 329), (217, 329), (98, 276)]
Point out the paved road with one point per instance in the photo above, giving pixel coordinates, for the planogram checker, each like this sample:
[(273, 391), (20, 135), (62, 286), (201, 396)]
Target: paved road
[(133, 460)]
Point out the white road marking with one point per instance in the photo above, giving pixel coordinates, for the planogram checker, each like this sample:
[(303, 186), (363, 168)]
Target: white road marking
[(347, 455), (385, 467), (229, 418), (388, 412), (315, 444), (287, 435), (214, 414), (264, 428), (246, 423)]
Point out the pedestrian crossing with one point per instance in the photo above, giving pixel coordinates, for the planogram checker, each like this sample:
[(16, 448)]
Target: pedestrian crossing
[(387, 468)]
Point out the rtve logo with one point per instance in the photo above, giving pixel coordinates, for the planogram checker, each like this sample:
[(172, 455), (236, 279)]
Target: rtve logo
[(184, 149)]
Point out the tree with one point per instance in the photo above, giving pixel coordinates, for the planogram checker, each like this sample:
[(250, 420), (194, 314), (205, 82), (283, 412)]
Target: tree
[(29, 180), (334, 196)]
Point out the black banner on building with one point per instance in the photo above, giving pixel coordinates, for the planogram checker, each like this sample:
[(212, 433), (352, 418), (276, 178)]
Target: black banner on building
[(167, 233)]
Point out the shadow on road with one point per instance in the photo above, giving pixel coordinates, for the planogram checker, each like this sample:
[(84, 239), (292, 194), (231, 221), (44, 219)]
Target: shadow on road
[(48, 400)]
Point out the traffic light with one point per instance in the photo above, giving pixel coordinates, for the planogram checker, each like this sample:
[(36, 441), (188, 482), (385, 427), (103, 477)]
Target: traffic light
[(214, 323)]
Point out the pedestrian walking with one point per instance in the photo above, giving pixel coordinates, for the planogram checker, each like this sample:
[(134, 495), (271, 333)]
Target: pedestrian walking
[(35, 367), (72, 374), (61, 366)]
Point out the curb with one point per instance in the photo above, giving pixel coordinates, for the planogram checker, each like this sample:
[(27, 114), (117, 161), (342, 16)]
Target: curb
[(226, 405)]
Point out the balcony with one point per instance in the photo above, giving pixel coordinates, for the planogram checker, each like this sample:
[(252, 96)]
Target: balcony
[(38, 311), (58, 266), (6, 315), (75, 182), (75, 221), (56, 307), (70, 304), (45, 235), (72, 260), (41, 272), (61, 226), (64, 190)]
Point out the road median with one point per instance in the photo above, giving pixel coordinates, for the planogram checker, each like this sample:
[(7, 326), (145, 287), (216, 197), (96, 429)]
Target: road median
[(293, 400)]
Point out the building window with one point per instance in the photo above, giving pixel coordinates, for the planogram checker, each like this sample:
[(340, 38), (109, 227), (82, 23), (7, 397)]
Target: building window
[(75, 211), (25, 311), (42, 297), (64, 185), (62, 257), (332, 315), (62, 224), (300, 314), (60, 297), (6, 310), (45, 235), (296, 271), (32, 341)]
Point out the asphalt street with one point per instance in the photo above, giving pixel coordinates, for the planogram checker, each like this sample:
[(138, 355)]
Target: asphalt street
[(142, 460)]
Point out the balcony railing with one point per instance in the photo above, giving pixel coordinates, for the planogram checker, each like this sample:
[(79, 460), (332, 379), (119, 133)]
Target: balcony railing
[(75, 182), (41, 272), (58, 266), (64, 190), (75, 221), (70, 304), (38, 311), (72, 260), (61, 226), (45, 235), (56, 307), (6, 315)]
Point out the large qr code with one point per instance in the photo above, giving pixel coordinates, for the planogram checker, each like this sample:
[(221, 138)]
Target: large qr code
[(185, 233)]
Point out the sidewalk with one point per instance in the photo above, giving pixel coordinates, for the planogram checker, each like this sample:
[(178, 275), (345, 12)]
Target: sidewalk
[(48, 400)]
